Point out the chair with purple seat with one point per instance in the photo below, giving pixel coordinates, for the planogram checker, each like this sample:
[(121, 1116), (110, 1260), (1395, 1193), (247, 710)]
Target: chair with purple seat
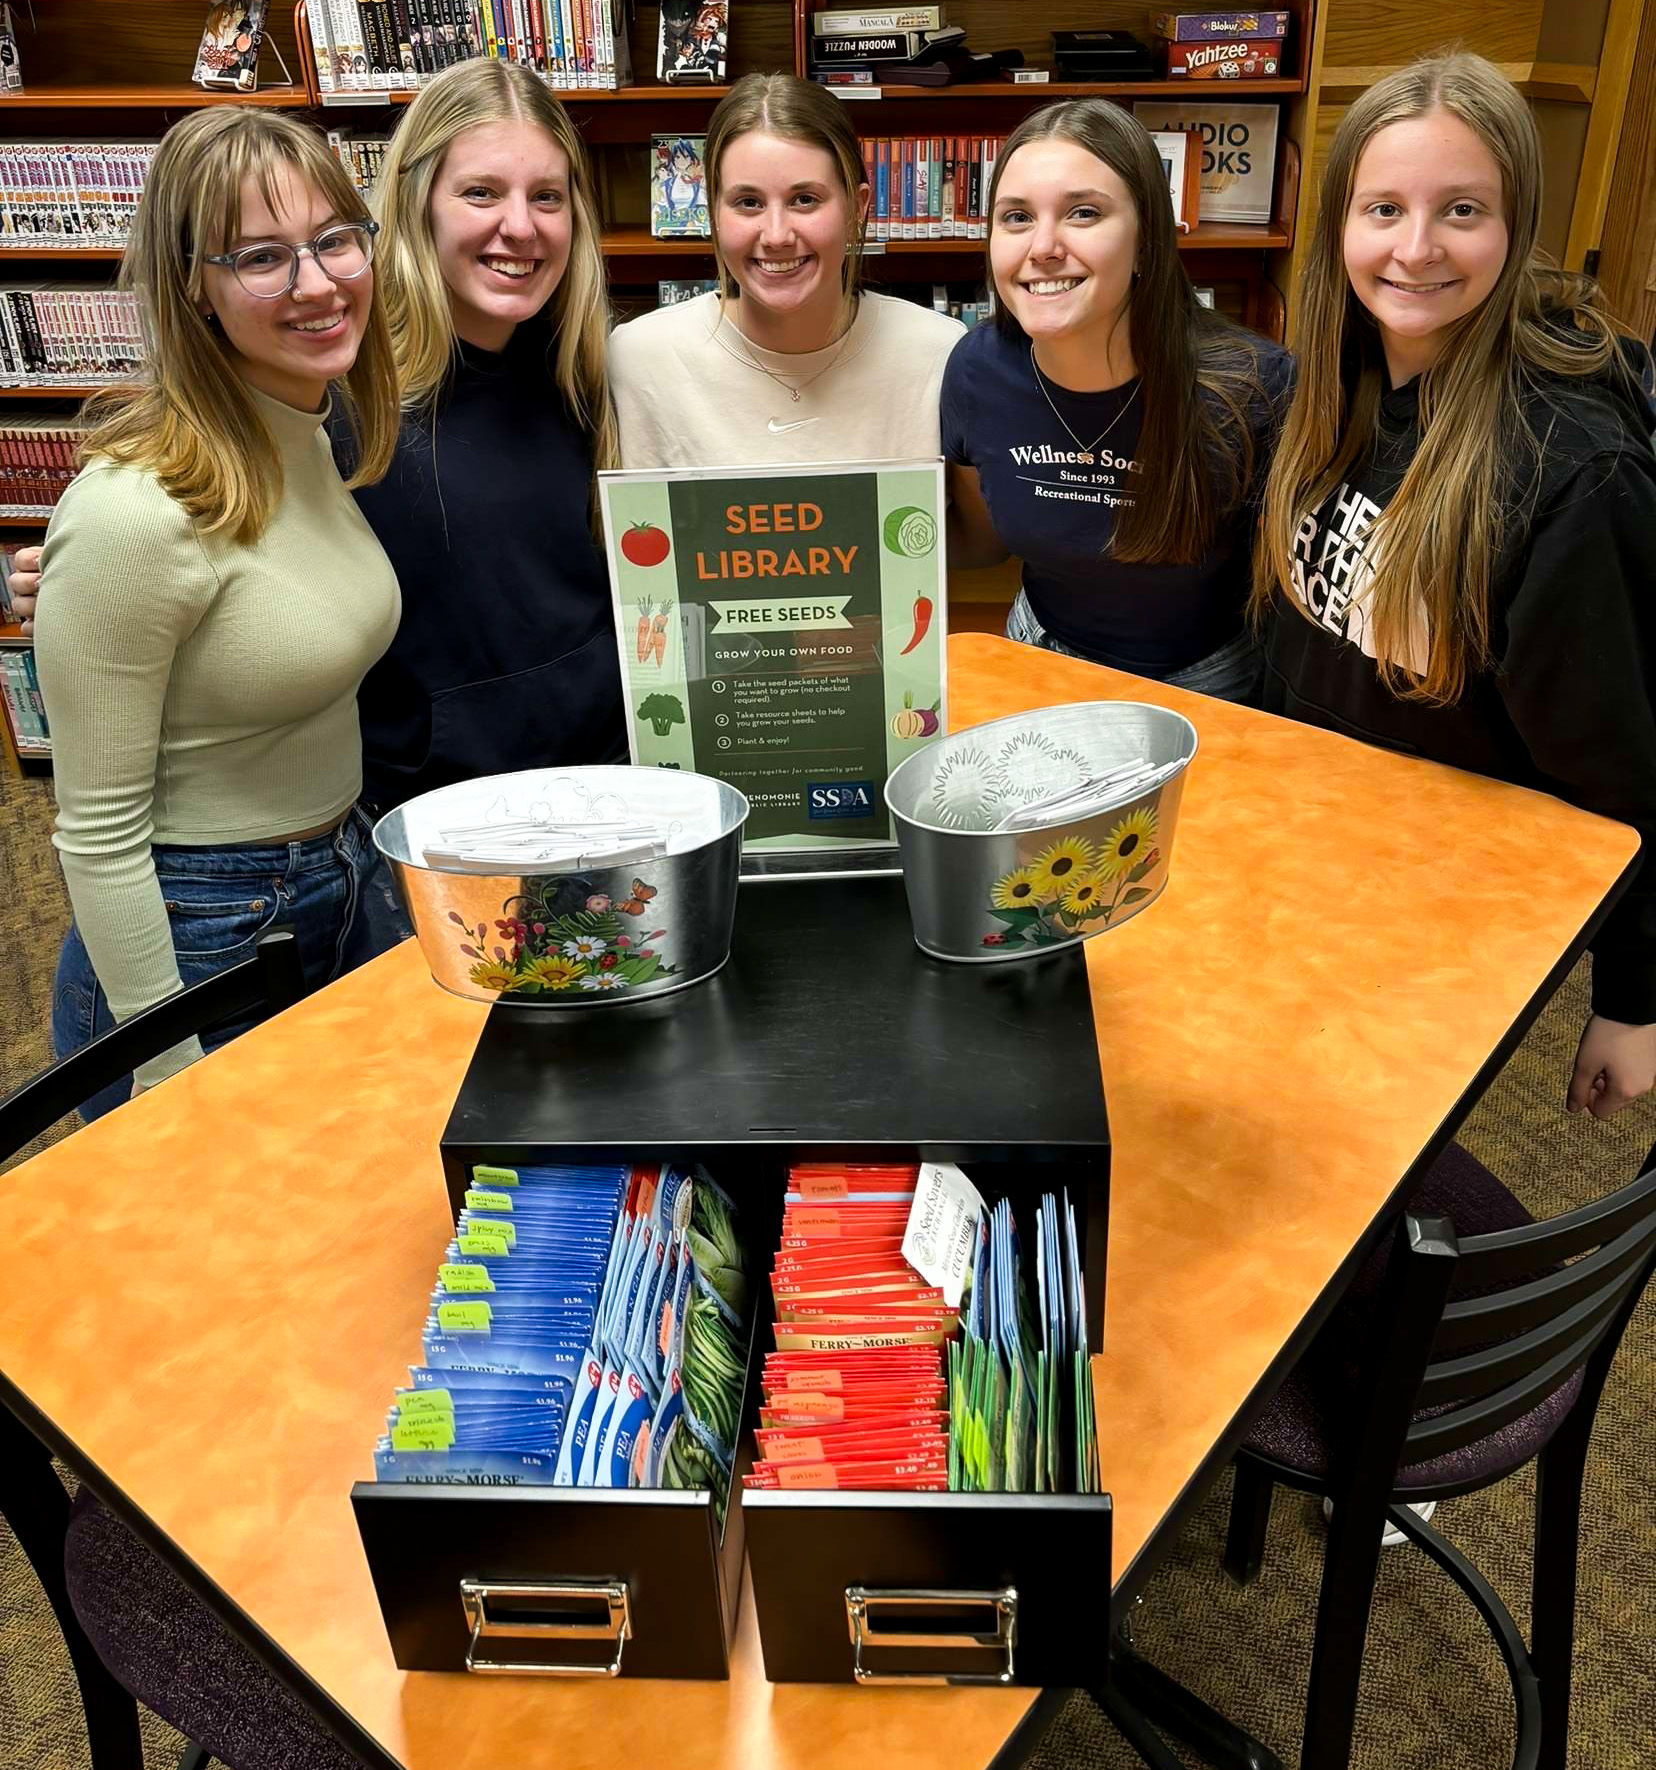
[(133, 1628), (1480, 1342)]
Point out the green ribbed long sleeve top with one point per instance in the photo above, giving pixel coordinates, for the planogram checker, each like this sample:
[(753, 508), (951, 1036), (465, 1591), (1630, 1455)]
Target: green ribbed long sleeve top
[(199, 691)]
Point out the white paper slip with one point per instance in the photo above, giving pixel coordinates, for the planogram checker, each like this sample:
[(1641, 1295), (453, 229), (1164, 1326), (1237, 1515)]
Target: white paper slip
[(942, 1234)]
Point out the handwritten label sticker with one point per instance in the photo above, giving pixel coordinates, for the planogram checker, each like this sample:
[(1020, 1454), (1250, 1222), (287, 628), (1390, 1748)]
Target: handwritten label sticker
[(464, 1318), (815, 1380), (478, 1200), (942, 1233), (810, 1406), (464, 1278), (484, 1239), (820, 1188), (794, 1450), (435, 1433), (807, 1475), (420, 1404), (486, 1176), (815, 1223)]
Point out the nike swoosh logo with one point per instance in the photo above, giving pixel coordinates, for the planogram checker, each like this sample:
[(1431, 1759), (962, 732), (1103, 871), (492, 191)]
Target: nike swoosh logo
[(782, 429)]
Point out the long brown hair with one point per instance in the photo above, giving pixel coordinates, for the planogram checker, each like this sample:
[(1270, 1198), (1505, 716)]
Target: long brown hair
[(794, 110), (193, 421), (576, 318), (1198, 374), (1433, 546)]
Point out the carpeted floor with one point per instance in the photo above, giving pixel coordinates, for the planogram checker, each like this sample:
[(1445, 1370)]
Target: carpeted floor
[(1434, 1695)]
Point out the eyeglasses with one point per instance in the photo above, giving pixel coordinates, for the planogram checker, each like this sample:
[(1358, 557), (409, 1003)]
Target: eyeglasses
[(271, 270)]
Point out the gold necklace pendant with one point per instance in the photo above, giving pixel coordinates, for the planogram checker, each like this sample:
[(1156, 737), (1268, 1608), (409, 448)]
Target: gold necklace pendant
[(1085, 458), (793, 393)]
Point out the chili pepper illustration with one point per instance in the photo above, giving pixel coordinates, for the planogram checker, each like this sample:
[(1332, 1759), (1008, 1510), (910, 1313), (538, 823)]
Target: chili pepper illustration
[(922, 623)]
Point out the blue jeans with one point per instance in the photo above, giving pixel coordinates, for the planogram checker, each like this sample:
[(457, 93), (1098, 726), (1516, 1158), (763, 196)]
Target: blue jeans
[(219, 901), (1236, 672), (385, 921)]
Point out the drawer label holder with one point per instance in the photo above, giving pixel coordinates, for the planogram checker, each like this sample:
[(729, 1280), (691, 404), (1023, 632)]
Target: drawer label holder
[(604, 1601), (866, 1606)]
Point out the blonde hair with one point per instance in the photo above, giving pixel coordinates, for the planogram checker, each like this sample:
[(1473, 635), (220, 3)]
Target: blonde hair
[(417, 300), (1433, 545), (193, 420), (793, 110), (1198, 374)]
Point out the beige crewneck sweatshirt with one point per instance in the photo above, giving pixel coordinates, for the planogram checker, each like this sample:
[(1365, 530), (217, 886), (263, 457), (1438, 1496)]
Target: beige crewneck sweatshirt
[(199, 691)]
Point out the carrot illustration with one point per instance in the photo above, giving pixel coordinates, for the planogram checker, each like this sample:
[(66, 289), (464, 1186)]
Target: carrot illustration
[(922, 623), (658, 636), (643, 629)]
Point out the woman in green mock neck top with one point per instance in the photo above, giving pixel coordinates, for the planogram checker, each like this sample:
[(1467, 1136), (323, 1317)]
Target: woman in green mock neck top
[(216, 594)]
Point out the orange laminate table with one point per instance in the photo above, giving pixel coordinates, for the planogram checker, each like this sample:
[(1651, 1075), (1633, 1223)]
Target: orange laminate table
[(214, 1290)]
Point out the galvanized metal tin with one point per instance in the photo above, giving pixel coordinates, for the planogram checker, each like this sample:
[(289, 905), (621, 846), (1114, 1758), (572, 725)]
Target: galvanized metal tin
[(573, 937), (983, 895)]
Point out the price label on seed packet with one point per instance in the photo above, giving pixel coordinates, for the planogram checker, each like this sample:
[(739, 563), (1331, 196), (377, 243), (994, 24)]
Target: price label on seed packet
[(783, 629)]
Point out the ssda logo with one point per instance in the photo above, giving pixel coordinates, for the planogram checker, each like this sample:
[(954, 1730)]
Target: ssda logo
[(839, 799)]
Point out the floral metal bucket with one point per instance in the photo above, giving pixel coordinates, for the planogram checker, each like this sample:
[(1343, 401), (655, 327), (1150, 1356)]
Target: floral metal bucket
[(982, 892), (580, 936)]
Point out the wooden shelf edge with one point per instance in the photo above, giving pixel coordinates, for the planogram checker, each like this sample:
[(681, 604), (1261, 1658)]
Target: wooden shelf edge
[(17, 520), (152, 98), (565, 95), (50, 391), (87, 254), (1195, 91)]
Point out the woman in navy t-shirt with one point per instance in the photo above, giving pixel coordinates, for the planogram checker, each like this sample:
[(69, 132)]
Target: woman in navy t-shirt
[(1106, 428)]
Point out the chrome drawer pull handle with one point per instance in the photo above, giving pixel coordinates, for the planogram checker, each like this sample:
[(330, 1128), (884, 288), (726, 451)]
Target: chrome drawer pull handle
[(617, 1627), (864, 1605)]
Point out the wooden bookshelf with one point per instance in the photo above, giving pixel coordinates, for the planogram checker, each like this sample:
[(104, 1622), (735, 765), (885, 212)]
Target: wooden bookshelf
[(52, 390)]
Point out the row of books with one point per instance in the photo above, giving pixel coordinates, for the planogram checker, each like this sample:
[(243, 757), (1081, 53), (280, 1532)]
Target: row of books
[(367, 46), (930, 187), (362, 156), (37, 460), (52, 335), (66, 193), (20, 688)]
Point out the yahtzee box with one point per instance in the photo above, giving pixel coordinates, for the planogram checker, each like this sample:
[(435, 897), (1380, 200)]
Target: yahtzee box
[(1239, 143)]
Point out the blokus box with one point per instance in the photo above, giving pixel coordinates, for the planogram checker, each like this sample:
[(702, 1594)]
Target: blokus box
[(1236, 59), (1197, 27)]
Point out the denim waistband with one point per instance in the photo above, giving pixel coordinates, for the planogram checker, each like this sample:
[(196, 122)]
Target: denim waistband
[(265, 860)]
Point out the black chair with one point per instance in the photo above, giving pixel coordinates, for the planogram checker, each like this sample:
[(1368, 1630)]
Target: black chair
[(143, 1618), (1483, 1341)]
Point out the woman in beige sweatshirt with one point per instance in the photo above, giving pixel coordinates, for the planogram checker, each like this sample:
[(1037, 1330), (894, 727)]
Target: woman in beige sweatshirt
[(216, 594)]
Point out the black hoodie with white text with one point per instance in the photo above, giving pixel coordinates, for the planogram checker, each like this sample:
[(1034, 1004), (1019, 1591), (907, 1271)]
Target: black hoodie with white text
[(1567, 704)]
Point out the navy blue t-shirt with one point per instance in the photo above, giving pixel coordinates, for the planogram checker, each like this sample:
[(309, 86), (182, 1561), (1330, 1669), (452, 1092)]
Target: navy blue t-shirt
[(1056, 514)]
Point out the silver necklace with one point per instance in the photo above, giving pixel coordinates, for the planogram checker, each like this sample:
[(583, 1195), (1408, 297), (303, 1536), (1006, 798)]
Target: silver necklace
[(794, 389), (1088, 453)]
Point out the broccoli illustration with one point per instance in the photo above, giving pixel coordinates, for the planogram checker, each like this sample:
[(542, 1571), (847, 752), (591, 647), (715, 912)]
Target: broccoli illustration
[(663, 712)]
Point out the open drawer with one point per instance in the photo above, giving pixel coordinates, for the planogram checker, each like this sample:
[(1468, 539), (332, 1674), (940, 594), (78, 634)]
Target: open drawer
[(883, 1588)]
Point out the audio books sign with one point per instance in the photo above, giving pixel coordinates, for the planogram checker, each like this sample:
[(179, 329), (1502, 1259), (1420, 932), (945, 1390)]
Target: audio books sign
[(1239, 151), (782, 628)]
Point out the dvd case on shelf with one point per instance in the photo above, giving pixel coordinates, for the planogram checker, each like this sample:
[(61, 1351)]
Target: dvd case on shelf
[(678, 188), (694, 42), (229, 52)]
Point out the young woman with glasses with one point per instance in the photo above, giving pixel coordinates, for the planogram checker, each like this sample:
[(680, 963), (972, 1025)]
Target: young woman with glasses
[(216, 595)]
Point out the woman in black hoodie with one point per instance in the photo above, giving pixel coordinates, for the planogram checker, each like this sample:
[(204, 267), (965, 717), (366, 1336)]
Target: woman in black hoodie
[(1459, 534)]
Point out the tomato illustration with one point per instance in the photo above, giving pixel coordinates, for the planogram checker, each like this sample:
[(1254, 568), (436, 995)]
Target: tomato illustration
[(645, 544)]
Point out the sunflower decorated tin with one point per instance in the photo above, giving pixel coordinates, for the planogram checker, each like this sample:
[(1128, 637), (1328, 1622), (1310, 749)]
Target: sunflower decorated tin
[(1040, 829)]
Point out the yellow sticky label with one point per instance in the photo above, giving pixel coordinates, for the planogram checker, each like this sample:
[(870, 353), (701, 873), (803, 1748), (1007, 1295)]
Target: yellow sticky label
[(487, 1238), (485, 1176), (464, 1278), (421, 1404), (477, 1200), (435, 1433), (463, 1318)]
